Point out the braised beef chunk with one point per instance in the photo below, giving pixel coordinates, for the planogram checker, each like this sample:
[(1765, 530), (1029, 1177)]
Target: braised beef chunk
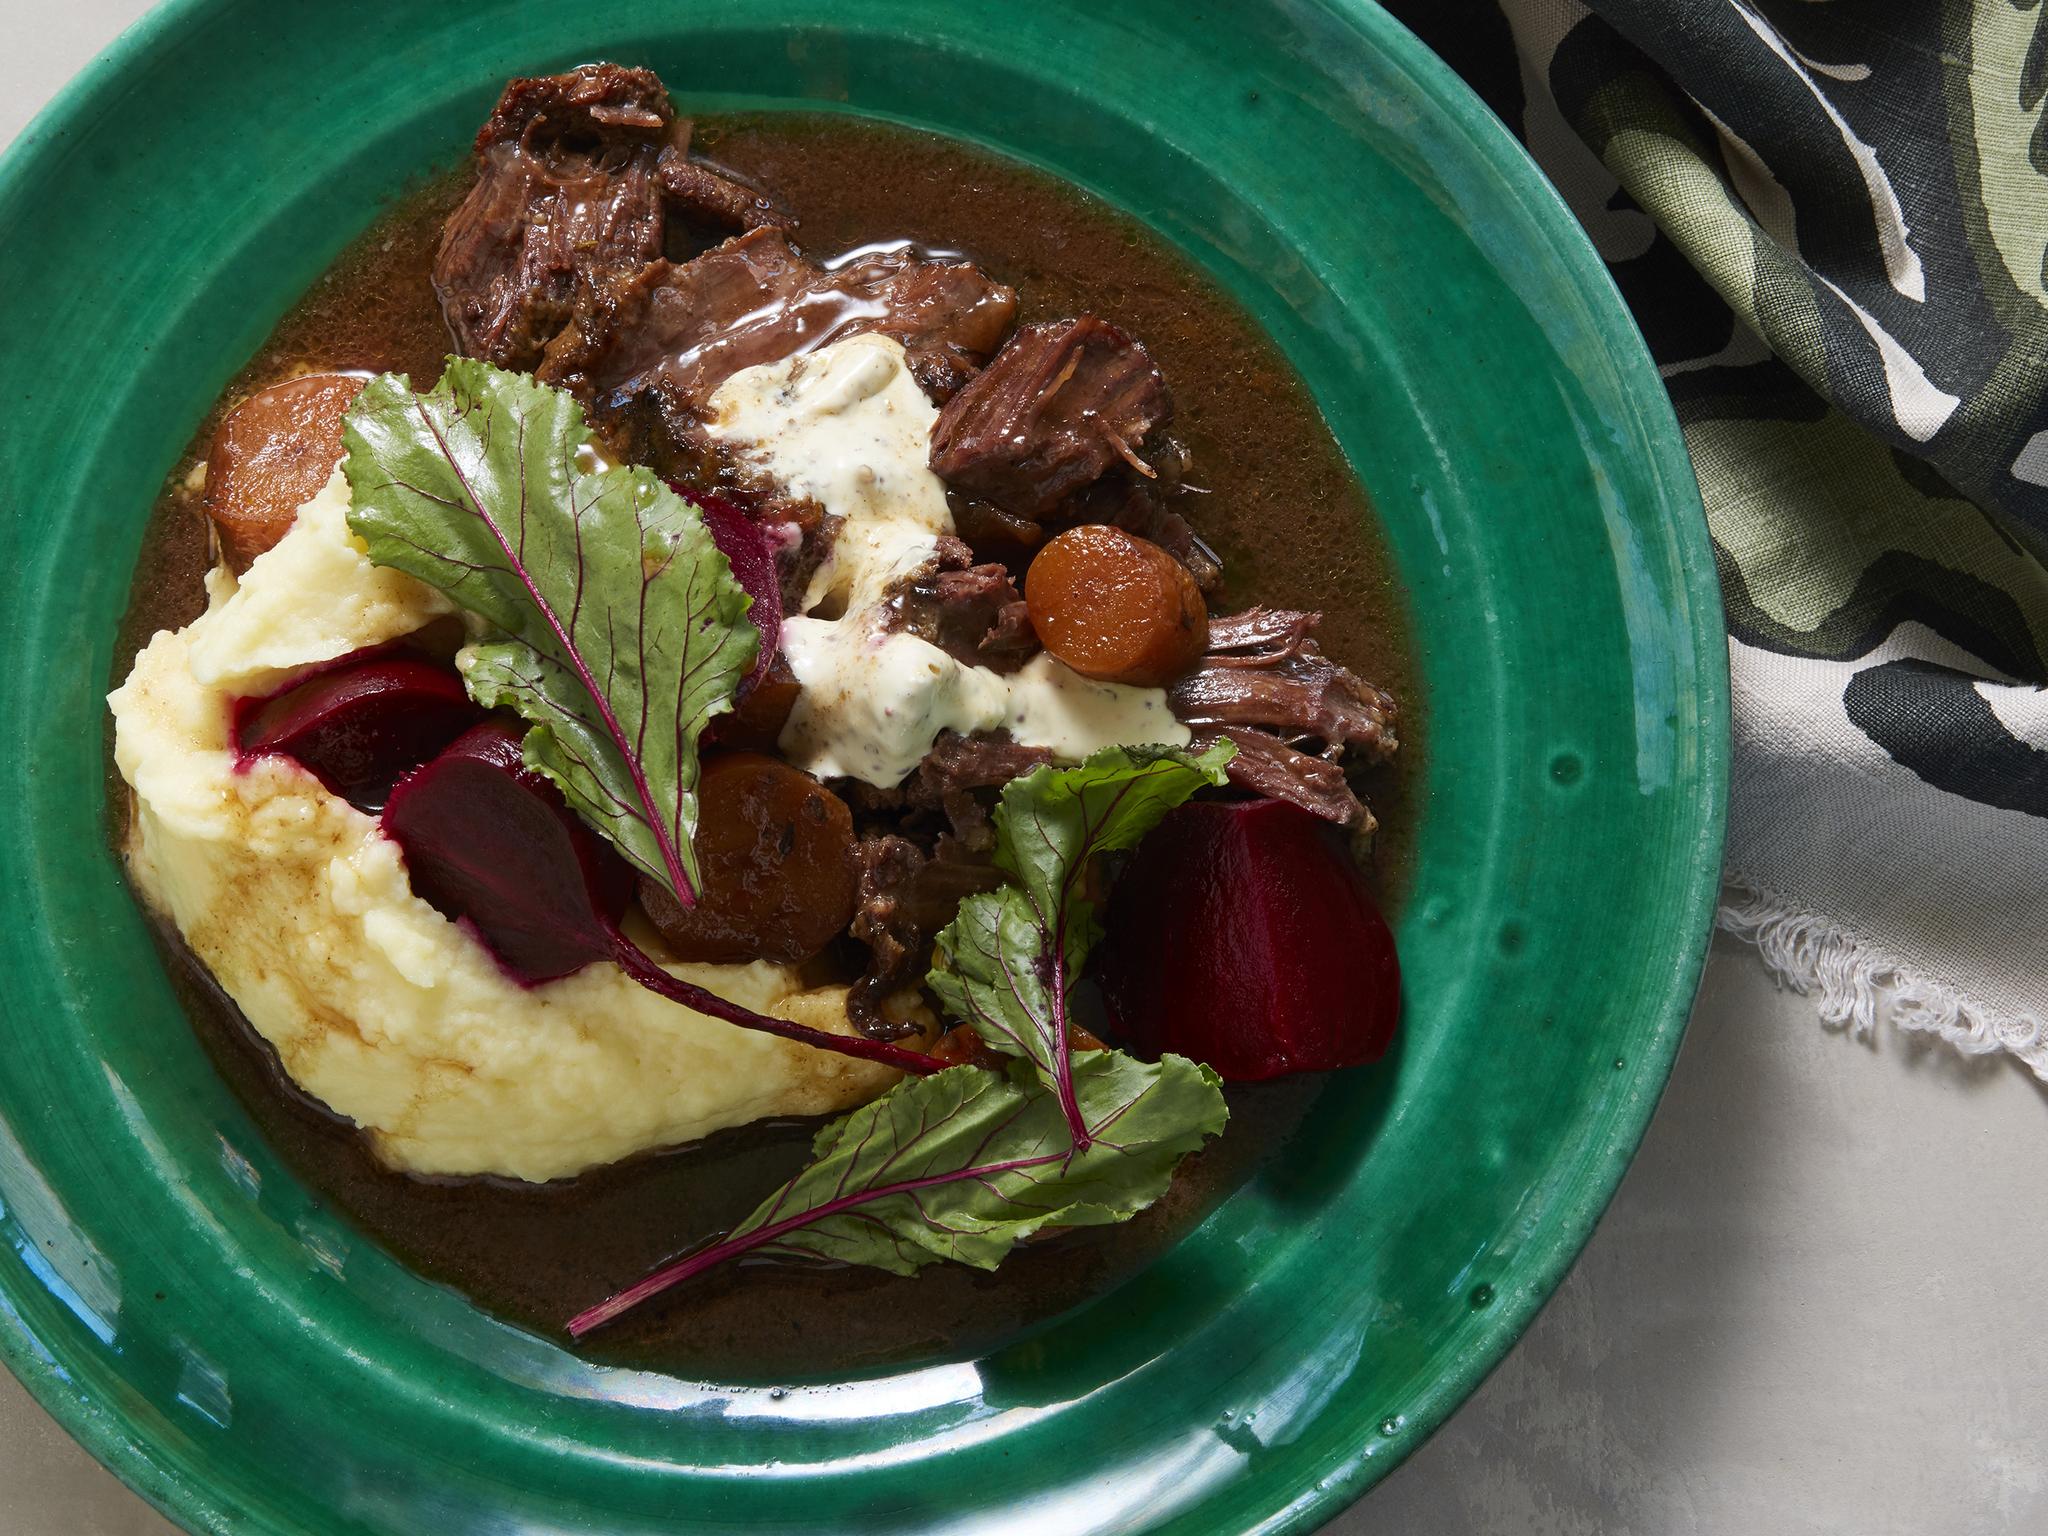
[(594, 106), (1267, 685), (679, 330), (906, 897), (687, 326), (949, 315), (1060, 404), (973, 613), (707, 195), (565, 203)]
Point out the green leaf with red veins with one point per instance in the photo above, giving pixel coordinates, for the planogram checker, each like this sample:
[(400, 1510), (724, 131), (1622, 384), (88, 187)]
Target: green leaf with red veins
[(965, 1164), (618, 630), (1009, 954)]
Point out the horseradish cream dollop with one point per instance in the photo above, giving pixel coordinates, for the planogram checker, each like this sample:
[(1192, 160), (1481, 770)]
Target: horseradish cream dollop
[(377, 1004), (848, 427)]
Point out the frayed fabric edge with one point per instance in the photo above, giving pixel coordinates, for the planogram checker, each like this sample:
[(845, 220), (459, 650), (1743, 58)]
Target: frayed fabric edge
[(1856, 985)]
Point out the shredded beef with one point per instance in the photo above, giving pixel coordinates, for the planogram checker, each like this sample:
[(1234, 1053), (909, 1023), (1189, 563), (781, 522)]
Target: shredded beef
[(704, 194), (1264, 670), (1267, 686), (1061, 403), (984, 760), (906, 897), (888, 868), (946, 783), (973, 613), (679, 330), (956, 767), (565, 203), (1268, 766)]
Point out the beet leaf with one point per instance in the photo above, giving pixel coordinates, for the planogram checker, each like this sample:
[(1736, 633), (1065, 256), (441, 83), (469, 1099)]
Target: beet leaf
[(1009, 954), (618, 627), (965, 1164)]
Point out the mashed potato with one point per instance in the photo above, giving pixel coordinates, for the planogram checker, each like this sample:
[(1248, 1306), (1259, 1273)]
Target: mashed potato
[(377, 1004)]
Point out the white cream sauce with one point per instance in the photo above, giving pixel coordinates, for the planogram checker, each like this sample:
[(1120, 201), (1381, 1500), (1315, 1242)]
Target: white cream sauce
[(848, 427)]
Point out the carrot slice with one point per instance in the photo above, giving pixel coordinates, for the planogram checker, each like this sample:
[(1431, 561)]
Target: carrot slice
[(270, 455), (1116, 607), (776, 850)]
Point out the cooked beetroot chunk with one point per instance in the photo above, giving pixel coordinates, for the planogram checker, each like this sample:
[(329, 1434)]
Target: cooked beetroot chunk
[(1243, 936), (751, 555), (358, 727), (489, 842)]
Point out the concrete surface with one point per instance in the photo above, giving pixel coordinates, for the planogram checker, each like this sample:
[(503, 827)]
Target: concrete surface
[(1808, 1310)]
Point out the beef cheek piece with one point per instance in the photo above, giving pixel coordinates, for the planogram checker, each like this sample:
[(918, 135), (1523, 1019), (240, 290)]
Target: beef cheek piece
[(678, 330), (1060, 405), (1267, 686), (974, 613), (566, 202)]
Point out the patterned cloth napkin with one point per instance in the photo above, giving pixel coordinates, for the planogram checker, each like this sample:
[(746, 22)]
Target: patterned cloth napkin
[(1830, 222)]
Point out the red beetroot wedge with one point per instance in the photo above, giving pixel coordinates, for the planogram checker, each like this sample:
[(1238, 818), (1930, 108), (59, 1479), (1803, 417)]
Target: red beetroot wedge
[(357, 726), (762, 703), (1242, 935), (488, 841), (752, 557), (491, 843)]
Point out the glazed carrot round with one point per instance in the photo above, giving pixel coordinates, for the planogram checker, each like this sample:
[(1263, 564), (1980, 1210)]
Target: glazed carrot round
[(1116, 607), (270, 455), (775, 850)]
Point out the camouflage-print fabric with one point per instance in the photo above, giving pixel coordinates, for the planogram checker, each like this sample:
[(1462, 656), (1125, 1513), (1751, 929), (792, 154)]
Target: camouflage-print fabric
[(1831, 224)]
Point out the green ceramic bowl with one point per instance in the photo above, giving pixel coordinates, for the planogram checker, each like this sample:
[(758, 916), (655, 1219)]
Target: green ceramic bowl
[(251, 1365)]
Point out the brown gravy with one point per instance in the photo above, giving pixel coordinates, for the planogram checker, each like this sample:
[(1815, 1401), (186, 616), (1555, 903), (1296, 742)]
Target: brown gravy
[(1283, 509)]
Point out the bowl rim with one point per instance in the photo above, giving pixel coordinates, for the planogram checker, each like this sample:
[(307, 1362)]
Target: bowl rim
[(195, 1505)]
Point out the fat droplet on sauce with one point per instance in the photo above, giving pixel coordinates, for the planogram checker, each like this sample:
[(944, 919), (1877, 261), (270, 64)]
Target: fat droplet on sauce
[(849, 428)]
